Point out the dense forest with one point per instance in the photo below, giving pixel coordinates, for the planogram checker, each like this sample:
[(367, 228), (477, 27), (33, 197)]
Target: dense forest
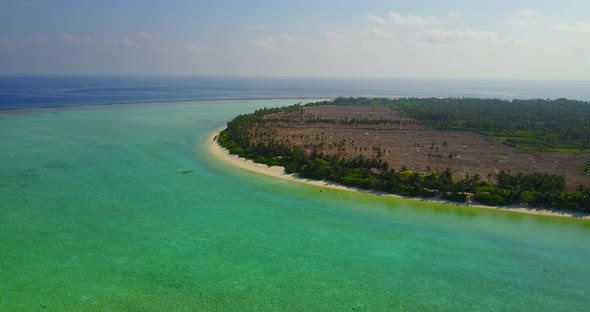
[(248, 137)]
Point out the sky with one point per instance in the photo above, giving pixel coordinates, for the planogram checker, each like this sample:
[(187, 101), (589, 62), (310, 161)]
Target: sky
[(467, 39)]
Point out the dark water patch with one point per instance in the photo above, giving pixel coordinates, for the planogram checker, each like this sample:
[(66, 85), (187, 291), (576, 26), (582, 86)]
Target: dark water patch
[(171, 280), (186, 171), (20, 176), (112, 147), (58, 165), (119, 211)]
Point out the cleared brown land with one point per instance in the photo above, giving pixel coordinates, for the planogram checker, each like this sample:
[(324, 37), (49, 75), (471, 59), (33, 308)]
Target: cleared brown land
[(411, 144)]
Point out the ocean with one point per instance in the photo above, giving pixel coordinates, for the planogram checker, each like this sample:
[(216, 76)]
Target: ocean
[(122, 208), (42, 91)]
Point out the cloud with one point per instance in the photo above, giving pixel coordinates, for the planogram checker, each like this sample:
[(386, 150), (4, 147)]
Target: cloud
[(413, 20), (129, 43), (338, 39), (263, 42), (255, 27), (37, 41), (132, 41), (576, 28), (333, 35), (522, 46), (287, 39), (271, 42), (191, 48), (380, 33), (454, 15), (376, 19), (525, 18), (580, 48), (24, 42), (145, 35), (5, 43), (69, 38), (31, 4), (439, 35)]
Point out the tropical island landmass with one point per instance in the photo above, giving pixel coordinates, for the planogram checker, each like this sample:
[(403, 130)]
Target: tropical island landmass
[(532, 153)]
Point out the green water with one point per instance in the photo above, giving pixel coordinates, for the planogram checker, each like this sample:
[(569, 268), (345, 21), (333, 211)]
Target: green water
[(96, 215)]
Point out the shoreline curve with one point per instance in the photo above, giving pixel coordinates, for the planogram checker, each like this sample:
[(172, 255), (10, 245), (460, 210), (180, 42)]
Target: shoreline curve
[(222, 154)]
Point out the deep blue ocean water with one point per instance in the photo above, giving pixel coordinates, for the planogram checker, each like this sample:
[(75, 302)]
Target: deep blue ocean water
[(43, 91)]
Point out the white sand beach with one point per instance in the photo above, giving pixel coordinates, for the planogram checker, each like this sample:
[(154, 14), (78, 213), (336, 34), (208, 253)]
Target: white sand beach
[(278, 172)]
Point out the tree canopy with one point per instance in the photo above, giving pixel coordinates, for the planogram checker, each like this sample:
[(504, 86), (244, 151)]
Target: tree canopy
[(247, 137)]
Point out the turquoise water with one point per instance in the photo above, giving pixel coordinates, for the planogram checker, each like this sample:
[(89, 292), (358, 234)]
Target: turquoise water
[(122, 209)]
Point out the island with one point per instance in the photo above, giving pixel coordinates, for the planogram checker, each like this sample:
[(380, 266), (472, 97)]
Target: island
[(529, 153)]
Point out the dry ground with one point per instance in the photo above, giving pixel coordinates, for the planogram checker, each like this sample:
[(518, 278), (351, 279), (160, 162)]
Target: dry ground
[(411, 145)]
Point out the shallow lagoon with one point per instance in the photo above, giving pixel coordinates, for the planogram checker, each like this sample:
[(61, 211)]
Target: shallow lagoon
[(122, 208)]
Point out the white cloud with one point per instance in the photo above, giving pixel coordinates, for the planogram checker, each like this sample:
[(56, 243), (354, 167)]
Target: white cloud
[(287, 39), (580, 48), (193, 48), (577, 27), (256, 27), (376, 19), (38, 41), (180, 48), (517, 43), (4, 40), (454, 15), (69, 38), (24, 42), (336, 39), (522, 46), (413, 20), (333, 35), (263, 42), (271, 42), (130, 43), (380, 33), (440, 35), (31, 4), (5, 43), (525, 18), (146, 35)]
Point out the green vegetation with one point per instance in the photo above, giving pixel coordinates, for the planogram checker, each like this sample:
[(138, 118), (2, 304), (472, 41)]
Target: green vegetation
[(248, 137), (537, 125)]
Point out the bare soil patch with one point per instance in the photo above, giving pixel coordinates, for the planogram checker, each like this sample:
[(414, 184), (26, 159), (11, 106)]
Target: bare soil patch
[(410, 144)]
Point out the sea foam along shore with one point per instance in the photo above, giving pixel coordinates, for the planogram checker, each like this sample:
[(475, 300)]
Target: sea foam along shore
[(223, 154)]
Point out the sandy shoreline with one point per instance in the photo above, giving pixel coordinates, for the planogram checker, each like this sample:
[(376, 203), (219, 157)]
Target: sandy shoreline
[(278, 172)]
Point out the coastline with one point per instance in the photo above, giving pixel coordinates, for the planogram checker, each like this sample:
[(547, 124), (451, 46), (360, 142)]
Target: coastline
[(216, 150), (13, 109)]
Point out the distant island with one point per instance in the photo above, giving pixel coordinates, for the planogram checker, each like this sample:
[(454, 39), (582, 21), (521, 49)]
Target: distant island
[(495, 152)]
